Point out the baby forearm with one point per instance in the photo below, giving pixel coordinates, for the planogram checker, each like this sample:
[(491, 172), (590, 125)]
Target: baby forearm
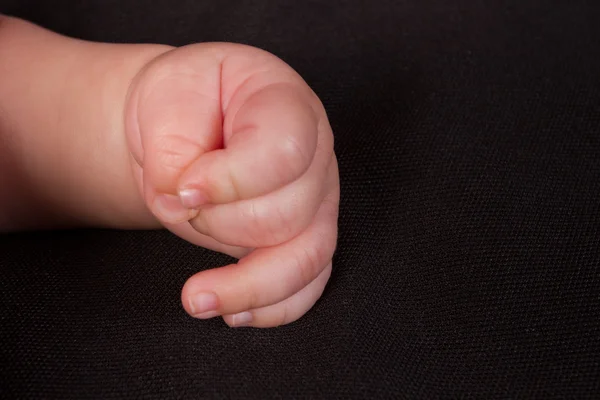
[(62, 160), (31, 97)]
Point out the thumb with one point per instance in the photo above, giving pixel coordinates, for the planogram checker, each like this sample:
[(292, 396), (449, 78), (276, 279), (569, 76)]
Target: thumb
[(173, 116)]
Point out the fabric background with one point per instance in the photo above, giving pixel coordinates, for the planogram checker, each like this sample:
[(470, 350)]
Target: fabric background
[(467, 134)]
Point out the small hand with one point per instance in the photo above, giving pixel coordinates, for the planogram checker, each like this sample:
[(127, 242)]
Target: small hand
[(233, 151)]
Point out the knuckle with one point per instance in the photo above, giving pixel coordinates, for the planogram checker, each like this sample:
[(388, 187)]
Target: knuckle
[(271, 226), (267, 224), (253, 229), (293, 160), (253, 299), (282, 225), (308, 264)]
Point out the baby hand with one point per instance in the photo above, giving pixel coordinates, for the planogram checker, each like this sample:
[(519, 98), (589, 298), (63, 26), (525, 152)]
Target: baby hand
[(233, 151)]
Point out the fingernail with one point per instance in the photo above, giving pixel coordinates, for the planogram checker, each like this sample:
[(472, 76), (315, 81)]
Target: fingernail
[(241, 319), (192, 198), (203, 303), (169, 209)]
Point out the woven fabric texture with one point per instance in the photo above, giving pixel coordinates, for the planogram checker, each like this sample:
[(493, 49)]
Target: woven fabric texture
[(468, 266)]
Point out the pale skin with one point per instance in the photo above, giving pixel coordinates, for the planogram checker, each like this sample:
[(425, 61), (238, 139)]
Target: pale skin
[(224, 145)]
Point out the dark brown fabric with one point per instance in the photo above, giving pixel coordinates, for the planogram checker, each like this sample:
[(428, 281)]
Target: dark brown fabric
[(468, 136)]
